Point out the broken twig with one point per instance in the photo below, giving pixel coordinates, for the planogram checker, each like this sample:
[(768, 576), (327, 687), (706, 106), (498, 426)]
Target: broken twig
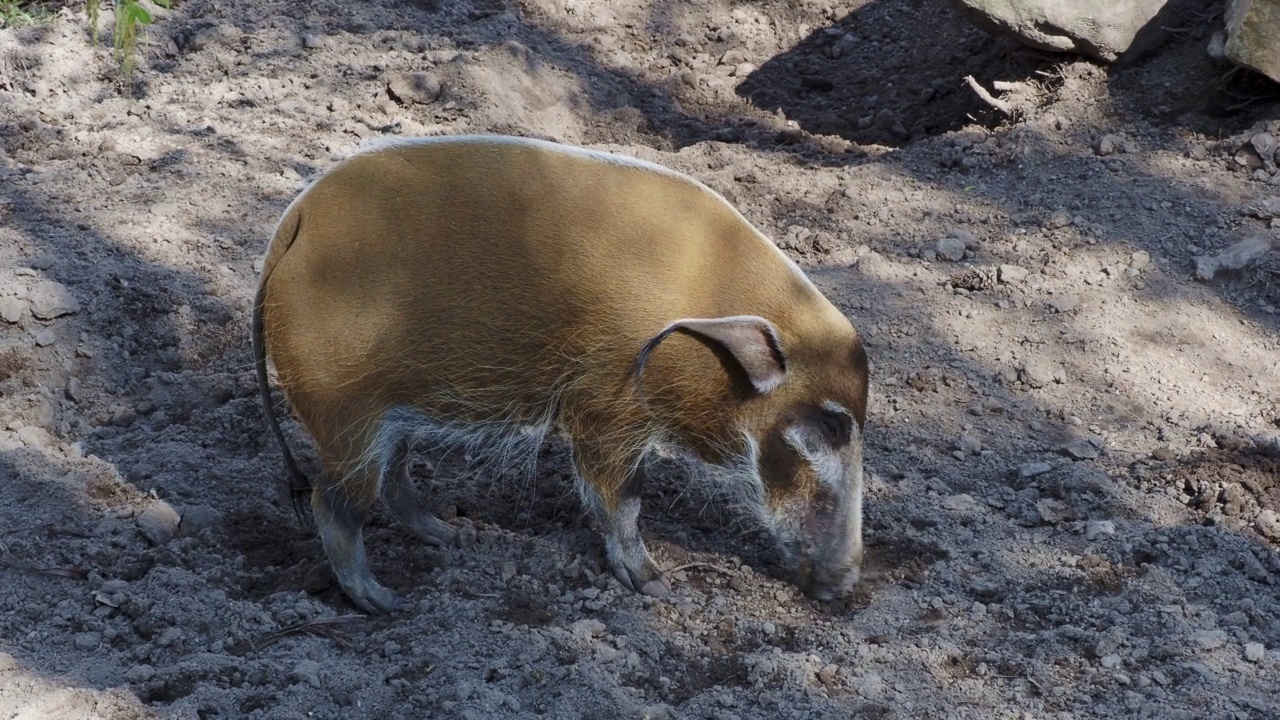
[(987, 97)]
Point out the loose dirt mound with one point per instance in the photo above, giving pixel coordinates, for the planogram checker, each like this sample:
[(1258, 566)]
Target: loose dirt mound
[(1072, 499)]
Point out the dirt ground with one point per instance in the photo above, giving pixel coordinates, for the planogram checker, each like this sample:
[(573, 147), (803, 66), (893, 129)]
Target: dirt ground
[(1073, 443)]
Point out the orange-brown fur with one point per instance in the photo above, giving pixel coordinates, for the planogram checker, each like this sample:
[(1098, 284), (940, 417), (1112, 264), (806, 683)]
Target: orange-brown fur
[(502, 282)]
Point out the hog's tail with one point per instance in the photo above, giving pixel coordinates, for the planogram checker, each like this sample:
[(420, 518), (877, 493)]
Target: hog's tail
[(298, 486)]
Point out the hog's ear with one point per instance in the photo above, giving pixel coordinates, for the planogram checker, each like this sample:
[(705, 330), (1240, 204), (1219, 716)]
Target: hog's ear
[(751, 341)]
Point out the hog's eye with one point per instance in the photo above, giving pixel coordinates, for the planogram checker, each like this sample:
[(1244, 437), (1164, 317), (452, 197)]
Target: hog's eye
[(836, 427)]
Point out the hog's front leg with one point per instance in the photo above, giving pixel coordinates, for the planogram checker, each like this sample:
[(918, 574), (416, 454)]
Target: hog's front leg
[(610, 488)]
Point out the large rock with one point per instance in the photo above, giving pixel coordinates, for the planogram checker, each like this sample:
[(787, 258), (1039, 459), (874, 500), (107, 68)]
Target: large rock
[(1101, 29), (1253, 35)]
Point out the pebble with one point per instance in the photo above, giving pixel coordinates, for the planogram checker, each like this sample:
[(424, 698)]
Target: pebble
[(1036, 373), (11, 309), (1108, 144), (1058, 219), (1209, 639), (508, 571), (306, 671), (159, 522), (44, 337), (1254, 652), (51, 299), (1140, 260), (420, 88), (1267, 522), (969, 444), (73, 390), (87, 641), (1095, 529), (743, 69), (1052, 511), (1163, 453), (198, 518), (1080, 450), (35, 437), (961, 502), (139, 673), (587, 628), (1029, 470), (870, 686), (1012, 274), (1064, 303), (312, 42), (1264, 144), (768, 628), (1110, 661), (950, 248)]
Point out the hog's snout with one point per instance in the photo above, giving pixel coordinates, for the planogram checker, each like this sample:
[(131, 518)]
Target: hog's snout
[(828, 549)]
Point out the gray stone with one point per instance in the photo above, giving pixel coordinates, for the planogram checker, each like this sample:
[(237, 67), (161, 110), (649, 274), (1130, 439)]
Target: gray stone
[(1140, 260), (140, 673), (950, 248), (50, 299), (1254, 652), (1108, 145), (198, 518), (1252, 29), (159, 522), (1058, 219), (1268, 524), (1209, 639), (44, 337), (1101, 29), (1064, 303), (969, 444), (1036, 373), (959, 503), (1052, 511), (1080, 450), (35, 437), (312, 42), (1012, 274), (1026, 471), (410, 88), (1095, 529), (87, 641), (11, 309)]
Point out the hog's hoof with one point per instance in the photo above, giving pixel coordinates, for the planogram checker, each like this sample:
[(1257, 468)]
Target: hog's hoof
[(649, 580), (376, 600)]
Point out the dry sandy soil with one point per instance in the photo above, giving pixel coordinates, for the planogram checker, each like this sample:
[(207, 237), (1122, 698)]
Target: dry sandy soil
[(1072, 442)]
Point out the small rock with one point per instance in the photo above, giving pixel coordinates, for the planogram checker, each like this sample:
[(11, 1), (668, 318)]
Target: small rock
[(969, 444), (11, 309), (959, 503), (1140, 260), (587, 629), (1264, 144), (743, 69), (1108, 144), (73, 390), (50, 299), (1110, 661), (87, 641), (1254, 652), (312, 42), (420, 88), (165, 210), (950, 248), (1012, 274), (1164, 453), (1064, 303), (1036, 373), (1267, 522), (1209, 639), (1059, 219), (870, 686), (1095, 529), (1052, 511), (198, 518), (35, 437), (306, 671), (1029, 470), (768, 628), (1080, 450), (139, 673), (508, 571), (44, 337), (159, 522)]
